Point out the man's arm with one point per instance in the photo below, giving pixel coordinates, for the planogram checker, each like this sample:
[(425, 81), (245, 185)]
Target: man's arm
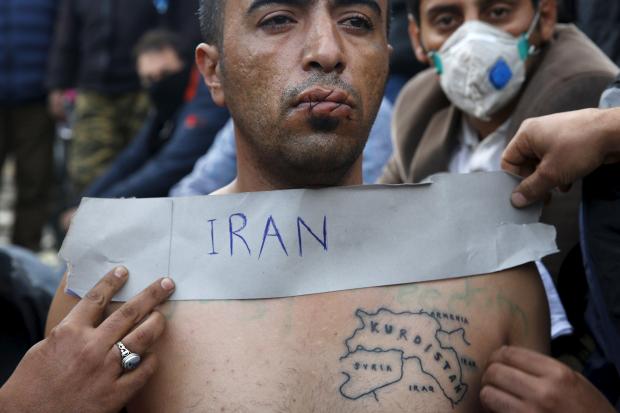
[(524, 381), (130, 160), (78, 367), (527, 303), (519, 377), (556, 150), (197, 125)]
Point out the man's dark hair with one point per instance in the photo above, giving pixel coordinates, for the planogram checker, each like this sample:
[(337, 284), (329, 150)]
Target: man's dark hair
[(211, 14), (161, 39), (414, 8)]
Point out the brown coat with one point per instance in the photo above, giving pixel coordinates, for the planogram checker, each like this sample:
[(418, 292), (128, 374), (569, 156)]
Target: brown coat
[(571, 74)]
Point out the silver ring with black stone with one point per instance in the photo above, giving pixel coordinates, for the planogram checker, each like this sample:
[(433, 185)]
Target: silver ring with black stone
[(129, 360)]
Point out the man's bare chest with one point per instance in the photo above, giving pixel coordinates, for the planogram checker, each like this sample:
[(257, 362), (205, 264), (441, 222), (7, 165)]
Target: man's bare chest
[(365, 350)]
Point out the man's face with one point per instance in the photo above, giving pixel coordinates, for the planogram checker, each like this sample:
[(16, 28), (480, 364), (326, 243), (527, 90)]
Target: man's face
[(155, 65), (303, 80), (440, 18)]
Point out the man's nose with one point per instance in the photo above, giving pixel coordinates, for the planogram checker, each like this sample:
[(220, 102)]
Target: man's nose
[(323, 50)]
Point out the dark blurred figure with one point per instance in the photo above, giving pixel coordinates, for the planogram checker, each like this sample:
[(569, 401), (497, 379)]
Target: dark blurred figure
[(26, 129), (26, 291), (179, 129), (599, 19), (93, 52), (403, 64)]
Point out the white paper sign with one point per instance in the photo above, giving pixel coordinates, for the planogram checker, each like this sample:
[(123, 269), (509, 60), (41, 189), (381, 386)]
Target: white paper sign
[(297, 242)]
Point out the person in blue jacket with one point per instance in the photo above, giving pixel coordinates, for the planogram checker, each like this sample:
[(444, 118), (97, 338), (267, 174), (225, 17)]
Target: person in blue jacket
[(179, 129), (26, 128)]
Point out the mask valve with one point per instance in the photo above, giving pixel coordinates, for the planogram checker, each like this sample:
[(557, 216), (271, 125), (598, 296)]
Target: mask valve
[(500, 74)]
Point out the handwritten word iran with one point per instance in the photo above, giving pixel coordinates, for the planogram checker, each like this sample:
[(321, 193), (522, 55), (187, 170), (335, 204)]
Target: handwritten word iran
[(238, 236)]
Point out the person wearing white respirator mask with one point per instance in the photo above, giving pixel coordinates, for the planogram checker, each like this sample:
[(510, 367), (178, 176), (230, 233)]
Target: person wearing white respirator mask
[(494, 63), (482, 68)]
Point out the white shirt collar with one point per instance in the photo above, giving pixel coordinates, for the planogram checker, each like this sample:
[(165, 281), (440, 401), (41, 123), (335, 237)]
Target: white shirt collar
[(474, 155)]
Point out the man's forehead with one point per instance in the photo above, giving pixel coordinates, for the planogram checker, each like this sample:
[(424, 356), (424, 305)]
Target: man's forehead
[(430, 5), (248, 6)]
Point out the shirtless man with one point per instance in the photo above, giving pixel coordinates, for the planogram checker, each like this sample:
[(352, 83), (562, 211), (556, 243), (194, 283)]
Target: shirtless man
[(303, 81)]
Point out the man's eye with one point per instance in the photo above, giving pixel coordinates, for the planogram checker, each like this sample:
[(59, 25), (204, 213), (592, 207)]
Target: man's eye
[(499, 13), (446, 22), (277, 23), (358, 23)]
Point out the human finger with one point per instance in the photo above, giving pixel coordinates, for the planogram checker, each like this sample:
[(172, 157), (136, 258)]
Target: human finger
[(498, 401), (90, 309), (532, 189), (121, 321), (523, 359), (519, 151), (142, 338), (510, 380), (523, 170), (132, 381)]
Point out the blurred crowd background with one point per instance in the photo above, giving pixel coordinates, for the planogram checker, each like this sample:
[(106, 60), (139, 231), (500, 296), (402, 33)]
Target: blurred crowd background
[(103, 99)]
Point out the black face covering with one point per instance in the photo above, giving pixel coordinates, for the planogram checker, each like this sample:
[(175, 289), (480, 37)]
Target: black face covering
[(167, 94)]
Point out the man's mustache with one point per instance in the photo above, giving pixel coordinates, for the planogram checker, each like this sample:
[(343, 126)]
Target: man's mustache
[(329, 80)]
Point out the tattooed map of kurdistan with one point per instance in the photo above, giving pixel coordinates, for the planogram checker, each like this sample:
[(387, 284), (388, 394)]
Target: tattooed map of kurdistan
[(407, 349)]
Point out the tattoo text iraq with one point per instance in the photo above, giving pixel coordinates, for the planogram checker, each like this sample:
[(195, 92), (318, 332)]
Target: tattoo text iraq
[(239, 235)]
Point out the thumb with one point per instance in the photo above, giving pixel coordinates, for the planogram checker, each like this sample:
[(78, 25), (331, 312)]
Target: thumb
[(532, 189)]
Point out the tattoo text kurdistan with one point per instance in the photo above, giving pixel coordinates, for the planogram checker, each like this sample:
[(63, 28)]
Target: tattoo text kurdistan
[(411, 351)]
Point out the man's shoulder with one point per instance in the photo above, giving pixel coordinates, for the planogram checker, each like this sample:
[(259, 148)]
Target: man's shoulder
[(418, 102), (421, 85), (571, 75), (516, 299), (571, 64), (421, 93), (517, 281), (571, 52)]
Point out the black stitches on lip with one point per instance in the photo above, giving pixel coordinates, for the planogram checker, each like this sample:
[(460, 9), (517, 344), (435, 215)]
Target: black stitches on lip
[(318, 94)]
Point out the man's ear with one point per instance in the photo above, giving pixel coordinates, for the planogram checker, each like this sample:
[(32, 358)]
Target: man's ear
[(208, 62), (416, 41), (548, 19)]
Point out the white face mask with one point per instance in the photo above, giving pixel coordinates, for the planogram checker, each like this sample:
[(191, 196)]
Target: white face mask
[(482, 68)]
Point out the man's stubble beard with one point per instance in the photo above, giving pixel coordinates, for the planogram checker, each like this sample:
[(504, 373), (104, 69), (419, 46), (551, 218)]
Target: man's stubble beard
[(315, 155)]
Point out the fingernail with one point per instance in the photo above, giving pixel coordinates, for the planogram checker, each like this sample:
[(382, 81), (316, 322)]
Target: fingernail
[(518, 200), (120, 272), (167, 284)]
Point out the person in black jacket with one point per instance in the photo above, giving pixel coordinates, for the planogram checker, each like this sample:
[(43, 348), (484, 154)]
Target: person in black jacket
[(93, 52), (26, 129), (178, 130), (403, 64)]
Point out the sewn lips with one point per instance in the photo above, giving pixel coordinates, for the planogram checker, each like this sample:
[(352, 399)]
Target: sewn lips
[(324, 102)]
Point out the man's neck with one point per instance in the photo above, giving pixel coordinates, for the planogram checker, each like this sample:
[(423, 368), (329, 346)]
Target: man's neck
[(485, 128), (253, 177)]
